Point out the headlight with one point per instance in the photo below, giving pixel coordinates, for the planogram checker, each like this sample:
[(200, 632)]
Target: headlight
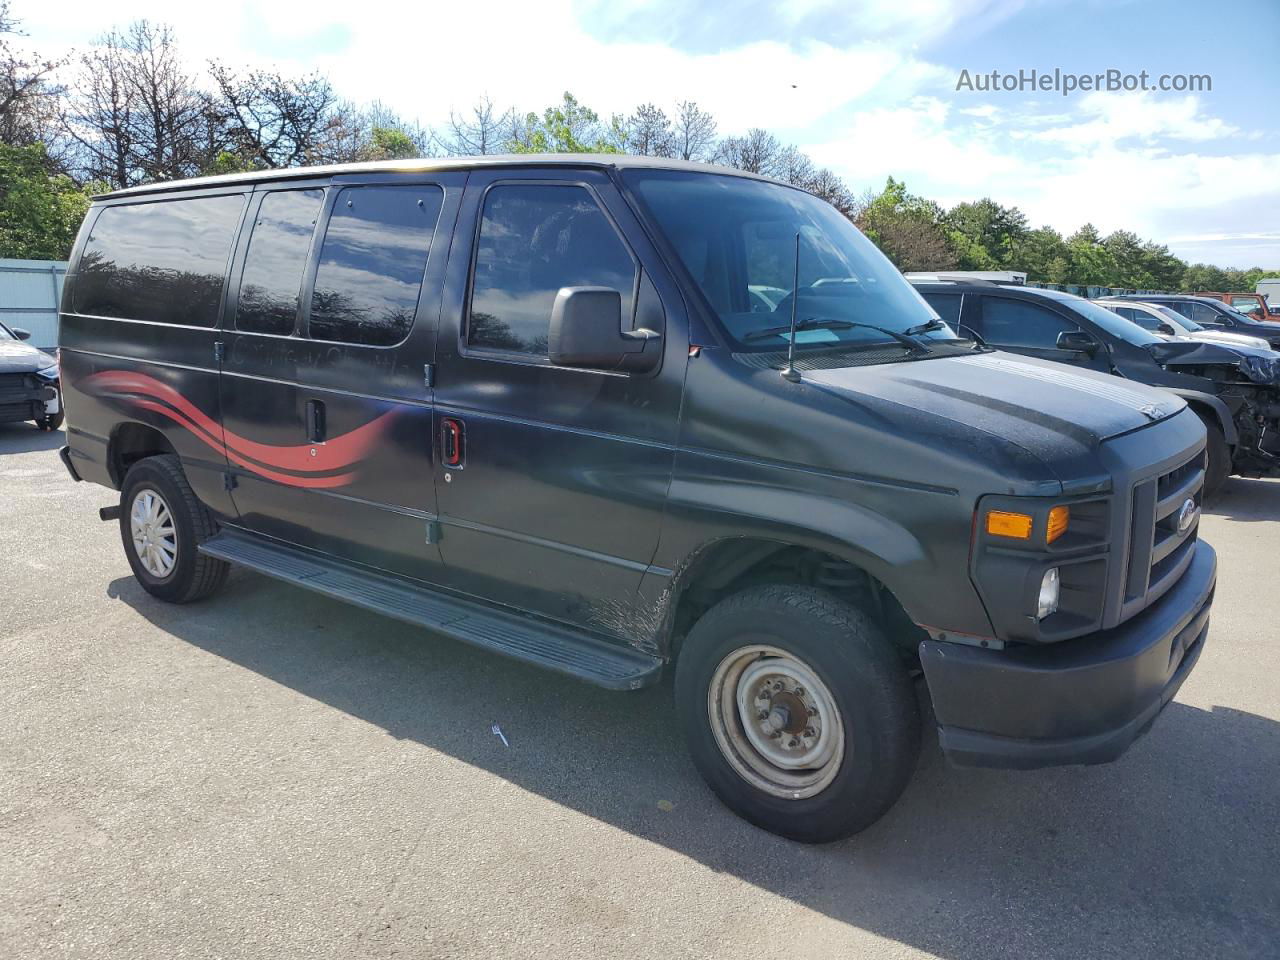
[(1050, 587), (49, 373)]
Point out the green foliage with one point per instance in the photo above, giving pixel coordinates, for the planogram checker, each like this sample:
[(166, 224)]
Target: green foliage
[(389, 143), (984, 233), (40, 211), (907, 228), (567, 127)]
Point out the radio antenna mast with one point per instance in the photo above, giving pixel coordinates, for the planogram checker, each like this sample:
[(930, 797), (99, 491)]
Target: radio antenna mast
[(789, 372)]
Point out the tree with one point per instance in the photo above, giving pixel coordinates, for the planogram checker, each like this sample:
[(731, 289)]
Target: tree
[(906, 228), (1090, 262), (567, 127), (39, 211), (271, 120), (484, 129), (757, 152), (693, 132), (1043, 254), (28, 95), (649, 132), (984, 233)]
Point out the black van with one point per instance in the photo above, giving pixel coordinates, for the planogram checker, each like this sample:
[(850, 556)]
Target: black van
[(540, 404), (1235, 391)]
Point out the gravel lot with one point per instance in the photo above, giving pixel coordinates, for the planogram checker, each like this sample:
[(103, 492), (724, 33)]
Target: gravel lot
[(272, 774)]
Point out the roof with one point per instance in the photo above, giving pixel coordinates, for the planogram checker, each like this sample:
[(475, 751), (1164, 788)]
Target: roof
[(1016, 289), (617, 161)]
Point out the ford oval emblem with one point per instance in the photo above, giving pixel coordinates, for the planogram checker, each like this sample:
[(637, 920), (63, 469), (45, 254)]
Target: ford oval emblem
[(1187, 515)]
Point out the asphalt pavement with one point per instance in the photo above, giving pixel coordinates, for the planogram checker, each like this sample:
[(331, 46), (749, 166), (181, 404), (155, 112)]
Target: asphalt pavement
[(273, 774)]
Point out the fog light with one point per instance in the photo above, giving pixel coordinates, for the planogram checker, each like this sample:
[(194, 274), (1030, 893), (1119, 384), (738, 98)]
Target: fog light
[(1049, 589)]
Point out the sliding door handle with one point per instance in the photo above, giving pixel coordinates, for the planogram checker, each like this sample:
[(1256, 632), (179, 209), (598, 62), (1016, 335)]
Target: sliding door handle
[(315, 421)]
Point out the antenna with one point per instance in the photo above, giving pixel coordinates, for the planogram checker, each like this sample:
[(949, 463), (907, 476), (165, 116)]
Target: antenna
[(789, 372)]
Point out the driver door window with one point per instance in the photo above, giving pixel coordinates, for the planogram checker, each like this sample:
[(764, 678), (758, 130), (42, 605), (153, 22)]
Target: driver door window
[(1018, 325), (535, 239)]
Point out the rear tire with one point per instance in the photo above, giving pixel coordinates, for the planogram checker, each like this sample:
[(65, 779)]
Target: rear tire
[(798, 713), (161, 524), (1218, 456)]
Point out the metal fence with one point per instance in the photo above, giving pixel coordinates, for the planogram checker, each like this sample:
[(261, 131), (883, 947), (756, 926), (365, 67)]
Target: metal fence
[(30, 291)]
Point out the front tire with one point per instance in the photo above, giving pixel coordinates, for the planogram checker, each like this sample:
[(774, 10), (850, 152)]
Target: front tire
[(161, 525), (1218, 456), (798, 713)]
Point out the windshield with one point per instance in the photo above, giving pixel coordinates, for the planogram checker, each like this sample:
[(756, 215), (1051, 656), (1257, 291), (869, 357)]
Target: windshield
[(1177, 319), (738, 237), (1114, 324)]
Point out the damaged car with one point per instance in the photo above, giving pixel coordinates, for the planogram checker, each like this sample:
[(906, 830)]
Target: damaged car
[(29, 387), (1235, 390)]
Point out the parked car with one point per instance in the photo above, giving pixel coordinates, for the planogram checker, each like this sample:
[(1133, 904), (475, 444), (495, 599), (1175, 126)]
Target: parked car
[(1252, 305), (1211, 314), (530, 403), (29, 387), (1235, 394), (1167, 322)]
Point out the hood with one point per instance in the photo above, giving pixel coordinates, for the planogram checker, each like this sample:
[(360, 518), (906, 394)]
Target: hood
[(1230, 339), (1027, 401), (18, 357), (1256, 364)]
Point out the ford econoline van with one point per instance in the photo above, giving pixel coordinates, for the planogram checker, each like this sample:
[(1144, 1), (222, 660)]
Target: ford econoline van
[(540, 405)]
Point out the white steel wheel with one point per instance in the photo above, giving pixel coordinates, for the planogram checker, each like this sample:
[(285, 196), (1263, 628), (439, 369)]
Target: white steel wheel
[(776, 722), (155, 536)]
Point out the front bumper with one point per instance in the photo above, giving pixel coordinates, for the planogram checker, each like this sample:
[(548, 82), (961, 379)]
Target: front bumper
[(1079, 701)]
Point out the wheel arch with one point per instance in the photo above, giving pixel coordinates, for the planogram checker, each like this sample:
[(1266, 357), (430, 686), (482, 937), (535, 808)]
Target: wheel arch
[(722, 567), (130, 442)]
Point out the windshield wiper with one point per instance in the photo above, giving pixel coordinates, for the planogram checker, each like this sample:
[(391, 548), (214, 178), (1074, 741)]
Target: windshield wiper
[(828, 323), (919, 328)]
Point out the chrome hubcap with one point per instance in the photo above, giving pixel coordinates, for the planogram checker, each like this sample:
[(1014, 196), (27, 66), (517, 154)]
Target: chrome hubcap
[(776, 722), (155, 540)]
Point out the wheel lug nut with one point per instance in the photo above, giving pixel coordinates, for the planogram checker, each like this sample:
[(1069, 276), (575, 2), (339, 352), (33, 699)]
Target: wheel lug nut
[(813, 711), (793, 742), (809, 731), (762, 715)]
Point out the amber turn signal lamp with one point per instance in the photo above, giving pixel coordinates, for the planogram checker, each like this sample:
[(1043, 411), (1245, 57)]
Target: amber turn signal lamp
[(1001, 523), (1059, 517)]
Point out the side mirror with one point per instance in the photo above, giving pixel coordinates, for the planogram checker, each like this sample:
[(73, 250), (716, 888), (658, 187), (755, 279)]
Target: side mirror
[(1077, 341), (1167, 330), (21, 333), (586, 331)]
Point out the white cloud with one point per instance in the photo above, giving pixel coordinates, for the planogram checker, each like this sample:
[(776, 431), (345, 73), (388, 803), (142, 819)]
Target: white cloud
[(1112, 117)]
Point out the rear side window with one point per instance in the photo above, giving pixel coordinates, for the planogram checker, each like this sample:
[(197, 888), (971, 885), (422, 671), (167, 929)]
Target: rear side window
[(535, 239), (163, 261), (371, 264), (1015, 323), (276, 260)]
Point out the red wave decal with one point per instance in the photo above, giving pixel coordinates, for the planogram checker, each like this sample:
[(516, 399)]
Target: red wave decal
[(339, 453)]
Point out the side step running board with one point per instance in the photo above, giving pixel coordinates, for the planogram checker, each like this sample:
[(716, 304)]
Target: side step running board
[(537, 642)]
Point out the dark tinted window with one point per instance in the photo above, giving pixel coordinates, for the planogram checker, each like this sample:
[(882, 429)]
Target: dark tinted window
[(947, 306), (371, 265), (162, 261), (535, 239), (1016, 323), (1199, 312), (276, 259)]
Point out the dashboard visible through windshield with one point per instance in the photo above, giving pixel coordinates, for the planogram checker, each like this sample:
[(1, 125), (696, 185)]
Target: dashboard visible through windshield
[(738, 239)]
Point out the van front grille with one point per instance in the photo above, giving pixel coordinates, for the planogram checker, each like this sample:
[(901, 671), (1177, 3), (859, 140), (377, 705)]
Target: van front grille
[(1166, 523)]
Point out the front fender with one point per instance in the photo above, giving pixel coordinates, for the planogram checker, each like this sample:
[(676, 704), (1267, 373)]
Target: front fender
[(1220, 410), (912, 538)]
